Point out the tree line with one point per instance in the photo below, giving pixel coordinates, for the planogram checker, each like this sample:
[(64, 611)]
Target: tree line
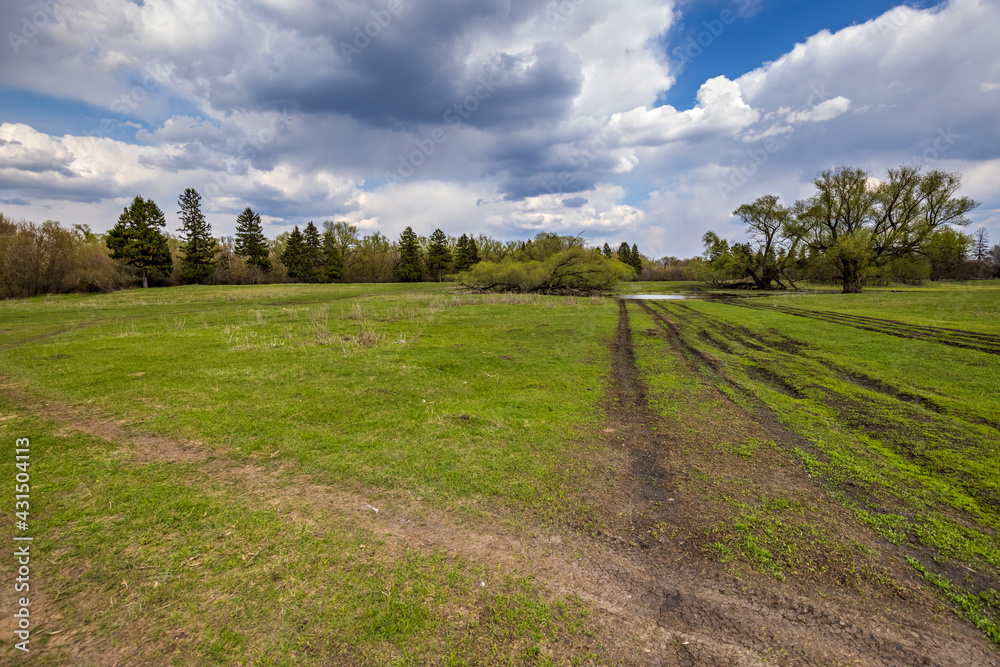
[(856, 230), (137, 250)]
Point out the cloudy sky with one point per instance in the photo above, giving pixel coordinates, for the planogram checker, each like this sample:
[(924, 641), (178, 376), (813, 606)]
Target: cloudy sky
[(646, 121)]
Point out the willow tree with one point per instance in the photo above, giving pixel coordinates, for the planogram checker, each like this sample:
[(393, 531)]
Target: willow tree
[(861, 223)]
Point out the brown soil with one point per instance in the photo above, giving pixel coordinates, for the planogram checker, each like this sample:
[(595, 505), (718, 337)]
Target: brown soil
[(659, 599)]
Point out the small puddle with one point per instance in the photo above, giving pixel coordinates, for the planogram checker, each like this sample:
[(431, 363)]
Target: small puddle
[(652, 296)]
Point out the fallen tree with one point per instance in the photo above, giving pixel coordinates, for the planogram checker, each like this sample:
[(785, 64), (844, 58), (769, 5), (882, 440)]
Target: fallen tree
[(573, 271)]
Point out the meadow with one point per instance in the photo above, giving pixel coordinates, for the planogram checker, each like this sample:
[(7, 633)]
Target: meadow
[(410, 474)]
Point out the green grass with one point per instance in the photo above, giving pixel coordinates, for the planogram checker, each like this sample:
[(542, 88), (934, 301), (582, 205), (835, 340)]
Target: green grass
[(480, 405), (457, 398), (901, 431)]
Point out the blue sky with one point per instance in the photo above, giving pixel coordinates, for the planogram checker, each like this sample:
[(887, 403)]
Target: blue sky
[(635, 120)]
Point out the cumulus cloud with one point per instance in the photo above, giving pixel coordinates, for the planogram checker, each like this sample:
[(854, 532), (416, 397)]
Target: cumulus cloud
[(496, 116)]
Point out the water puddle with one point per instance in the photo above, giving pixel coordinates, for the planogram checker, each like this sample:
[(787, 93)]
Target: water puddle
[(653, 296)]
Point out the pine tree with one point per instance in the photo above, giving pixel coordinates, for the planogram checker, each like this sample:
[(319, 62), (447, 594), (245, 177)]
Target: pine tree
[(438, 254), (606, 250), (295, 257), (314, 253), (197, 243), (136, 239), (251, 244), (636, 259), (333, 260), (411, 263)]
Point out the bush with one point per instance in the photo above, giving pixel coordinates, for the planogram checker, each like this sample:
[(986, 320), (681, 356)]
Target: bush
[(572, 271)]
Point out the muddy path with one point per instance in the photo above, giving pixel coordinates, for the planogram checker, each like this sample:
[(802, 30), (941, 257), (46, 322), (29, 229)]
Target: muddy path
[(760, 620), (657, 598), (970, 340)]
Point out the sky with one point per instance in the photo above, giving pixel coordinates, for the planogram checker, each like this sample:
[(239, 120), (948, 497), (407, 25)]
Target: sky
[(644, 121)]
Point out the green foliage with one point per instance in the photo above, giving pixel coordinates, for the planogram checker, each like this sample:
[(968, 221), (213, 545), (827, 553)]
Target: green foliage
[(466, 253), (569, 271), (251, 244), (295, 256), (855, 229), (636, 259), (333, 260), (625, 254), (411, 261), (606, 250), (947, 250), (438, 255), (313, 262), (197, 243), (136, 241)]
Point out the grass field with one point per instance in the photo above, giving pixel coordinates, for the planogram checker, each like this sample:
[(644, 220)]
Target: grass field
[(406, 474)]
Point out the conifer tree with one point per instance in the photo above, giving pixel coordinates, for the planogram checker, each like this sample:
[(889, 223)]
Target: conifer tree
[(295, 257), (466, 253), (251, 244), (606, 250), (197, 243), (461, 251), (625, 254), (438, 254), (636, 259), (314, 253), (411, 263), (136, 239)]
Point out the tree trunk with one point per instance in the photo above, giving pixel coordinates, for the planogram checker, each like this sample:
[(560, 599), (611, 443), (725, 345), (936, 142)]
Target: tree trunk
[(145, 283), (852, 281)]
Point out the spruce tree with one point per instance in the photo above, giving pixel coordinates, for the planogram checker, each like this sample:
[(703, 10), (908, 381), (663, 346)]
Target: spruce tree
[(438, 254), (625, 254), (197, 243), (136, 239), (314, 253), (411, 264), (636, 259), (466, 253), (461, 253), (606, 251), (472, 253), (295, 256), (251, 244), (333, 260)]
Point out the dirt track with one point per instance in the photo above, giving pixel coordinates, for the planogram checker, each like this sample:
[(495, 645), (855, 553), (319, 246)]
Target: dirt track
[(659, 600)]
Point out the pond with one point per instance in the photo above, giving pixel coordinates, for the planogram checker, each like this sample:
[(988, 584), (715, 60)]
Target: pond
[(652, 296)]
